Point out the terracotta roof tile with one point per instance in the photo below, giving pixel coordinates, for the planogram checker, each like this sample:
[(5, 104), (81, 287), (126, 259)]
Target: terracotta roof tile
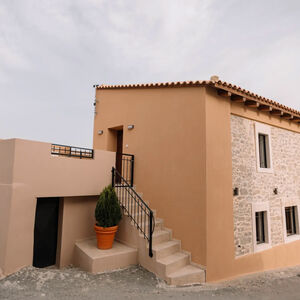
[(219, 84), (157, 84)]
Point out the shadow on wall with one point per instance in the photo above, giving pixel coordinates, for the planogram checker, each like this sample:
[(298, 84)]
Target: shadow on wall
[(77, 223)]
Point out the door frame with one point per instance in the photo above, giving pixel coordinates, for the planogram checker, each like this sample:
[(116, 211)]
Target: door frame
[(57, 229)]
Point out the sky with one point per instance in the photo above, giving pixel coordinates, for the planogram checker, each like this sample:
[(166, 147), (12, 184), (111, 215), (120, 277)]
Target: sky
[(53, 52)]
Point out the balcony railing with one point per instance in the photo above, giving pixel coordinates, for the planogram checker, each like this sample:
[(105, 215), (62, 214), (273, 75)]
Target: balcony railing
[(71, 151)]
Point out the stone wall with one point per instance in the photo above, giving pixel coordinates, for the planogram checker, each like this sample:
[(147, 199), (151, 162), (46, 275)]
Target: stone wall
[(257, 186)]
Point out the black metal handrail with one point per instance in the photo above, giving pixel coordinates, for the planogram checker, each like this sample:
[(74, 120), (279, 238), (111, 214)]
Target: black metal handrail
[(72, 151), (128, 167), (136, 208)]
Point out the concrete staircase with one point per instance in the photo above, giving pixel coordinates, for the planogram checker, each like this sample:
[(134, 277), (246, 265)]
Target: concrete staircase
[(169, 261)]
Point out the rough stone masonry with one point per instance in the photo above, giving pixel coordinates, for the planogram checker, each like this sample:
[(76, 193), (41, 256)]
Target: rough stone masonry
[(255, 187)]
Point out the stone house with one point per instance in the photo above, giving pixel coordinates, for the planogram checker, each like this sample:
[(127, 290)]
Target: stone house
[(206, 172), (218, 163)]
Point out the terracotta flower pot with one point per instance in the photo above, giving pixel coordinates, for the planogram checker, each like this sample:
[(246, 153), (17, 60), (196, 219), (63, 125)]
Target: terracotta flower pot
[(105, 236)]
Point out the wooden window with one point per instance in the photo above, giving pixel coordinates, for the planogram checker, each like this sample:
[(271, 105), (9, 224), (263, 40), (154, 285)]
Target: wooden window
[(260, 221), (263, 148), (291, 220), (263, 151)]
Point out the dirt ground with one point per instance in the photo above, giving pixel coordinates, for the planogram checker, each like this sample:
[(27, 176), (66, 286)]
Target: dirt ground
[(137, 283)]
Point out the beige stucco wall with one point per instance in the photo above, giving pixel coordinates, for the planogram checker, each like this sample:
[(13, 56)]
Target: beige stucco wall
[(168, 144), (29, 172)]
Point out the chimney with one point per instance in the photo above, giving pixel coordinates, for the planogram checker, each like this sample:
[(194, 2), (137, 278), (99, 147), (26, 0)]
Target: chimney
[(214, 78)]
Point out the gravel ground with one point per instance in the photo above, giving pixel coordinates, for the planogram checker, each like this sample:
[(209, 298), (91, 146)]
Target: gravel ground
[(137, 283)]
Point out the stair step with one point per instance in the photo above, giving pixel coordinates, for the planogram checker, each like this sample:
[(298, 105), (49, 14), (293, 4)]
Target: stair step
[(137, 213), (127, 195), (133, 187), (158, 225), (131, 205), (169, 263), (166, 248), (186, 276), (174, 262), (160, 236)]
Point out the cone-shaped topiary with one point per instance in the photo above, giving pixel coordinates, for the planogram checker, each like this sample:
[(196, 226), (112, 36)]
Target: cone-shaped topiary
[(108, 211)]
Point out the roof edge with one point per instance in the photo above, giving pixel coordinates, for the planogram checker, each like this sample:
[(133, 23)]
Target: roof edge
[(236, 94)]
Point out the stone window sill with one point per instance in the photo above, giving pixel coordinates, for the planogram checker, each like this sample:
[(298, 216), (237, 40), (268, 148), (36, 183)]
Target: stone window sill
[(292, 238), (265, 170), (261, 247)]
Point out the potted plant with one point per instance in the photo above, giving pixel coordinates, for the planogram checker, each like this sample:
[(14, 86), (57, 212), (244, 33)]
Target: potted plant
[(108, 215)]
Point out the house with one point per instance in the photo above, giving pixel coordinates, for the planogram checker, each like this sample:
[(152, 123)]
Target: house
[(207, 174), (218, 163)]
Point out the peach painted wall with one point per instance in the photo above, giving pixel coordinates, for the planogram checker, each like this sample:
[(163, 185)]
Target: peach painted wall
[(29, 172), (220, 239), (77, 224), (169, 146), (182, 145), (221, 261), (6, 163)]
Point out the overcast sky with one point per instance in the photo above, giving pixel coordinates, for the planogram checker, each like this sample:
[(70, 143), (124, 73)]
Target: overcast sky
[(52, 52)]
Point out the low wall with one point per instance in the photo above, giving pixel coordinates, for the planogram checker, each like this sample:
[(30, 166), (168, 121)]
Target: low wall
[(28, 171)]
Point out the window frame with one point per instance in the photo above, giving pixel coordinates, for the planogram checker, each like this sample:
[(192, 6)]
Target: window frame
[(258, 207), (293, 237), (261, 217), (265, 130)]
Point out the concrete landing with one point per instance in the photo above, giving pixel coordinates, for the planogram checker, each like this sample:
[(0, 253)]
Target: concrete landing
[(91, 259)]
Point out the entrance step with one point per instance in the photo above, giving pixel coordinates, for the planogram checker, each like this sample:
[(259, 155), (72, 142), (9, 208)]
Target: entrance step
[(91, 259), (166, 248), (186, 276), (174, 262)]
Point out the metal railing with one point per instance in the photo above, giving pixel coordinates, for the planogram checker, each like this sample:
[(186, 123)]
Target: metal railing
[(135, 207), (128, 167), (72, 151)]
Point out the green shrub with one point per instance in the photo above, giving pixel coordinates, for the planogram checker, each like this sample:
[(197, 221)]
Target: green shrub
[(108, 211)]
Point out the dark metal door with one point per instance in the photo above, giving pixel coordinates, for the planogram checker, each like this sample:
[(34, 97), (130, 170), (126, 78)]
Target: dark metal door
[(45, 232)]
